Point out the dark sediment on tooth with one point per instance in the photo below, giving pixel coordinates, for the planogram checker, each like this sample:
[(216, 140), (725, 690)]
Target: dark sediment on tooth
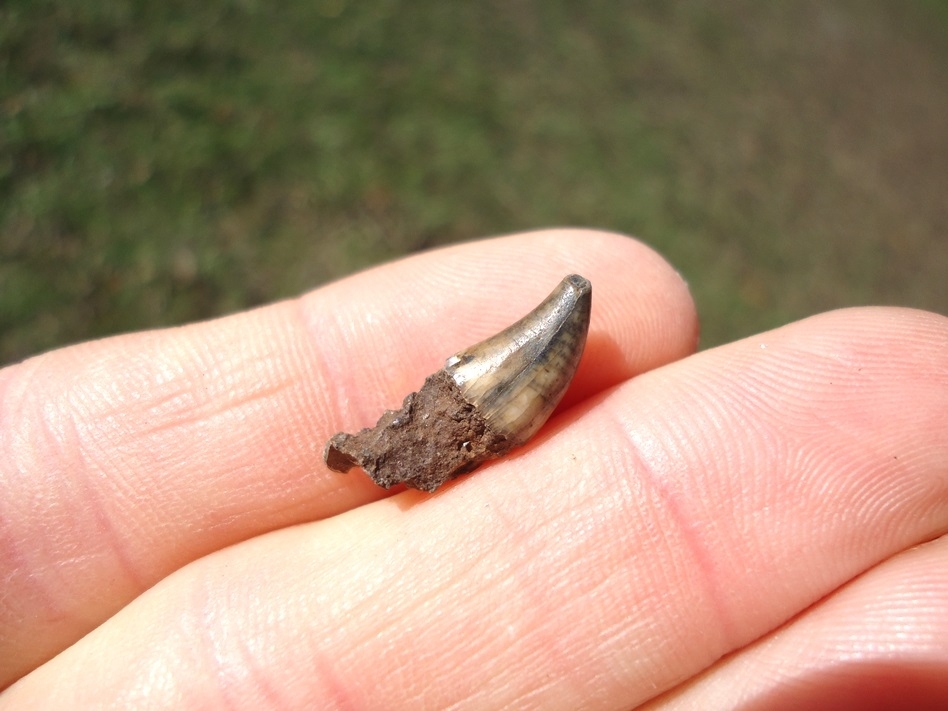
[(435, 437)]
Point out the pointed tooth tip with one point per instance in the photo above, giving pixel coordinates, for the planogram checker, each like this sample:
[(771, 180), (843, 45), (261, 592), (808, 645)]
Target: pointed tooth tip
[(571, 294), (580, 283)]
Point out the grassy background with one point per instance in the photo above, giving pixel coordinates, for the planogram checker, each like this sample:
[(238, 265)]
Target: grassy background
[(165, 162)]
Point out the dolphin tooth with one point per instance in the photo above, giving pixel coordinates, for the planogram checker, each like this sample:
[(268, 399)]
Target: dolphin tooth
[(487, 399)]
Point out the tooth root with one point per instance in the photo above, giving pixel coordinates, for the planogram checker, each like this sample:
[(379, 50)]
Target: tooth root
[(486, 400), (516, 378)]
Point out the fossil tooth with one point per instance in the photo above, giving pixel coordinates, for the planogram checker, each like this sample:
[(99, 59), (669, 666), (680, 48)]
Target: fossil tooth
[(517, 377), (487, 399)]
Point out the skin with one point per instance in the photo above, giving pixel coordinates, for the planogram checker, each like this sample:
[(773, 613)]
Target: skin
[(758, 526)]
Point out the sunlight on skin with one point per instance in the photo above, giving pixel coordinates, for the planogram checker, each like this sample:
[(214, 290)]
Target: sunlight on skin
[(126, 458), (653, 527)]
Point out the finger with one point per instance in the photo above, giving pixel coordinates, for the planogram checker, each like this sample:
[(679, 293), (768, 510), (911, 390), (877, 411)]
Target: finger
[(125, 458), (667, 523), (881, 642)]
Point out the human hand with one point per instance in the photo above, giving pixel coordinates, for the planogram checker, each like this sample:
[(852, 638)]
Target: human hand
[(758, 526)]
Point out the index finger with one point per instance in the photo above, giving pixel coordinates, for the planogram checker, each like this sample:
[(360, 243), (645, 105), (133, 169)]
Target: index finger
[(123, 459)]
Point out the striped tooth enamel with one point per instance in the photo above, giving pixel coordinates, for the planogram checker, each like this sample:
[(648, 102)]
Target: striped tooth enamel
[(516, 378), (487, 399)]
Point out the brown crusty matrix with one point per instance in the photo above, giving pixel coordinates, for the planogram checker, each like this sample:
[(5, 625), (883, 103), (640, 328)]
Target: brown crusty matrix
[(487, 399)]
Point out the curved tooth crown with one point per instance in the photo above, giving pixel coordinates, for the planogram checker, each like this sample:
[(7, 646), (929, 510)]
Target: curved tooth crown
[(516, 378)]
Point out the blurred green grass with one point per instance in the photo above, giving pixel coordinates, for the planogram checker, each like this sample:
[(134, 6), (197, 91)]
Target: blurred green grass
[(161, 163)]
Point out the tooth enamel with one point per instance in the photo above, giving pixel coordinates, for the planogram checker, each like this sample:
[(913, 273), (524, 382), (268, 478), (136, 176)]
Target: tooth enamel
[(516, 378), (487, 399)]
